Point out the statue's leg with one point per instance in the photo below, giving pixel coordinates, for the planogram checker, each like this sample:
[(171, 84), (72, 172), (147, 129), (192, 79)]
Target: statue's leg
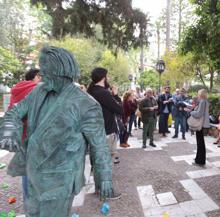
[(60, 207), (56, 208)]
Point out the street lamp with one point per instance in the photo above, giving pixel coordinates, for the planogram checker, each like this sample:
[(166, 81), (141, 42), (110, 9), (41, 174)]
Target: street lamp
[(160, 67)]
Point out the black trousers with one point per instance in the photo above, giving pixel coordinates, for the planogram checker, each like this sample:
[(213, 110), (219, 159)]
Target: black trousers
[(201, 151), (163, 123)]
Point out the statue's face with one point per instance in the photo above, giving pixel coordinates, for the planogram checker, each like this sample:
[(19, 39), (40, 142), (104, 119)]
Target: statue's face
[(50, 82)]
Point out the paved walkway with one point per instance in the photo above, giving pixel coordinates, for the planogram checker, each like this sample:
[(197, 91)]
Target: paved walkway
[(152, 182)]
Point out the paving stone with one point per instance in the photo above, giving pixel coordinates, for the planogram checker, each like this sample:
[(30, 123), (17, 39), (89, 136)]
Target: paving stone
[(166, 199)]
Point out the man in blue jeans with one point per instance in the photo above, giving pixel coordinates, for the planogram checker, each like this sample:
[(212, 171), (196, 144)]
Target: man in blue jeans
[(180, 114)]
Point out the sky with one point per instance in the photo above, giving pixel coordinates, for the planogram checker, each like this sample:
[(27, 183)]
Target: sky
[(154, 7)]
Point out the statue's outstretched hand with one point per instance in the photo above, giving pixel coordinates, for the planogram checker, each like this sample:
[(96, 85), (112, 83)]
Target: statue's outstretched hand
[(106, 190), (9, 144), (8, 138)]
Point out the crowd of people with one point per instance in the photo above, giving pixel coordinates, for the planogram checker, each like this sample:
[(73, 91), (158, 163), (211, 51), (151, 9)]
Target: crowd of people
[(143, 109)]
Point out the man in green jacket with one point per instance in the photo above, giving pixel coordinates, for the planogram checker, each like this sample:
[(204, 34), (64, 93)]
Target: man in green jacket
[(60, 117), (148, 107)]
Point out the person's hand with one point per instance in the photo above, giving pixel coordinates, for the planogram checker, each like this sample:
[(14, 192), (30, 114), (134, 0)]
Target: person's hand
[(187, 109), (155, 107), (165, 102), (106, 190), (114, 90), (151, 108)]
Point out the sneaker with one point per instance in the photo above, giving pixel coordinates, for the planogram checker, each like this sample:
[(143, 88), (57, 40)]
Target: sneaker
[(144, 146), (123, 145), (175, 136), (115, 196), (116, 160), (152, 144)]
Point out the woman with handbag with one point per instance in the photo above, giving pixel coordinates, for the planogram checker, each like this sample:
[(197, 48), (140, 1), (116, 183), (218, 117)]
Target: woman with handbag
[(201, 113)]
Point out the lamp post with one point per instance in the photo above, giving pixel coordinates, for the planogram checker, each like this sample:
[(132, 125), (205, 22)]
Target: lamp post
[(160, 67)]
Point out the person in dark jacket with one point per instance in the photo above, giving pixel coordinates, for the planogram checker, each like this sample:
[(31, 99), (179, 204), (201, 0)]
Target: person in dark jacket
[(111, 106), (148, 108), (165, 101)]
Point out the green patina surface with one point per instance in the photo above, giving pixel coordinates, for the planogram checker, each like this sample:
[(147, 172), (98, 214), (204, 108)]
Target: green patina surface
[(62, 119)]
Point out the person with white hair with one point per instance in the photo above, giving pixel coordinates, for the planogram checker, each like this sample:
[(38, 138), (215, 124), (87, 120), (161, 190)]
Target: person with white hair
[(148, 108)]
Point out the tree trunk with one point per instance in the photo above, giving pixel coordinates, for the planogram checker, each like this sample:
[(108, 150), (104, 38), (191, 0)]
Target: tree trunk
[(168, 12), (211, 78), (158, 40), (180, 19)]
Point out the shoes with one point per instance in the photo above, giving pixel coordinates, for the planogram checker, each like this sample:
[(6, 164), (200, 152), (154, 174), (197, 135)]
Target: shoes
[(135, 128), (130, 135), (123, 145), (127, 144), (168, 131), (175, 136), (218, 146), (114, 196), (116, 160), (216, 142), (183, 137), (152, 144), (196, 164), (164, 135), (144, 146)]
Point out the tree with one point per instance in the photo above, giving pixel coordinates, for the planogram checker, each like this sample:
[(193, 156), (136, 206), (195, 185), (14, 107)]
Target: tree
[(119, 21), (149, 78), (89, 54), (203, 40), (179, 69), (9, 66)]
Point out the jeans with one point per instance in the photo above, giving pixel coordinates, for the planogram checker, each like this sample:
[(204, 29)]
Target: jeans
[(131, 121), (25, 187), (137, 123), (180, 121)]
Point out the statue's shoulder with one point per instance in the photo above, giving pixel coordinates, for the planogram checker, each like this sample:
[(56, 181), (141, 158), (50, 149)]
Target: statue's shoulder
[(81, 97)]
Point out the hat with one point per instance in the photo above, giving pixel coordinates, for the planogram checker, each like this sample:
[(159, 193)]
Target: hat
[(59, 62), (98, 74)]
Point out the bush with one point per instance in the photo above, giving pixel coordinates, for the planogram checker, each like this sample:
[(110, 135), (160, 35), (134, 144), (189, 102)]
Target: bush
[(196, 88), (214, 104)]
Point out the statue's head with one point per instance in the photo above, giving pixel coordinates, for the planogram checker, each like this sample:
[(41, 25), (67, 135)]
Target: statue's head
[(57, 65)]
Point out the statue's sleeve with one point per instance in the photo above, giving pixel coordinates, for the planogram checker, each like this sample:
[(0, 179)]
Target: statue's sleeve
[(94, 131), (11, 126)]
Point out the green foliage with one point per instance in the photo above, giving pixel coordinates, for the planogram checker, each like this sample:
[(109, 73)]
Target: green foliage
[(118, 67), (179, 69), (119, 21), (202, 39), (90, 54), (9, 66), (214, 104), (150, 79)]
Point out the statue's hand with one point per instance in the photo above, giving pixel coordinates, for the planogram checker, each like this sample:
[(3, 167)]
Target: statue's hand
[(8, 138), (106, 190), (9, 144)]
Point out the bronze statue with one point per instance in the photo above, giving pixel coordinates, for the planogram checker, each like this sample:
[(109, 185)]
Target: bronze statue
[(60, 118)]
